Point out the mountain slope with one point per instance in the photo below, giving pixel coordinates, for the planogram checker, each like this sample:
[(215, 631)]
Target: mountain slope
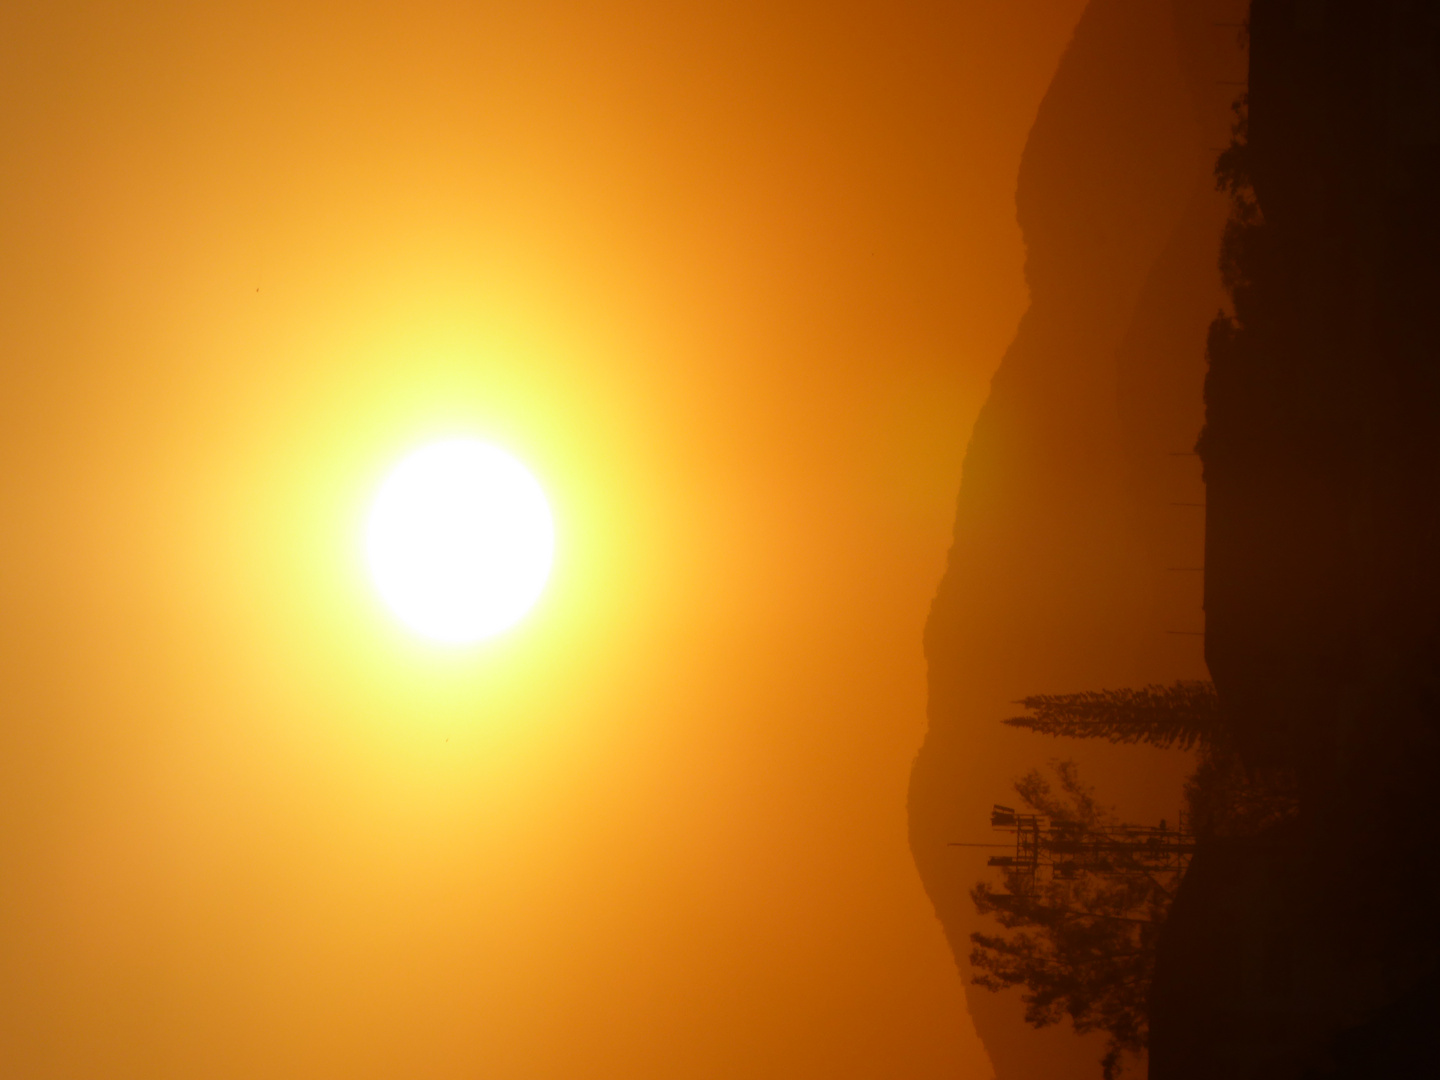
[(1058, 578)]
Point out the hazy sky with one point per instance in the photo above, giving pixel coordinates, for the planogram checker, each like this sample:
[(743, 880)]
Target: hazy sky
[(731, 278)]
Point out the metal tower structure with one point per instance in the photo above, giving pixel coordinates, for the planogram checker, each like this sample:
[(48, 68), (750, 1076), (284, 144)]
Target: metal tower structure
[(1066, 850)]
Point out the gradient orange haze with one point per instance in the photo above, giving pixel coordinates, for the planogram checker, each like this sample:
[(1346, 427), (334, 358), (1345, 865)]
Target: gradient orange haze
[(731, 279)]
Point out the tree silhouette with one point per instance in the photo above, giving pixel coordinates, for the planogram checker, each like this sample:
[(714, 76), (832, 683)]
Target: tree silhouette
[(1083, 946), (1081, 942), (1222, 795), (1177, 716), (1248, 272)]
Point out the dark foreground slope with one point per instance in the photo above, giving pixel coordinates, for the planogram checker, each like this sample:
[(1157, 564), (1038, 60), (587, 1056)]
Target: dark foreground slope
[(1314, 950), (1059, 577)]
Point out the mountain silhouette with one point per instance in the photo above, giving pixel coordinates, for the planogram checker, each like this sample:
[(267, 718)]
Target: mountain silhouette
[(1077, 535)]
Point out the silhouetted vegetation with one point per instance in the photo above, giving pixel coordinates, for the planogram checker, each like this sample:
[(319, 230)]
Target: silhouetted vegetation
[(1083, 944), (1321, 590), (1180, 715), (1241, 255), (1223, 796)]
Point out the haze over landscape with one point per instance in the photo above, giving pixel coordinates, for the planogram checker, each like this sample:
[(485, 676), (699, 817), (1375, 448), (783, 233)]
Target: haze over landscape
[(732, 283), (562, 540)]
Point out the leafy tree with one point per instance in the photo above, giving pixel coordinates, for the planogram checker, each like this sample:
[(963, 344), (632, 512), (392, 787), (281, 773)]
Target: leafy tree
[(1081, 947)]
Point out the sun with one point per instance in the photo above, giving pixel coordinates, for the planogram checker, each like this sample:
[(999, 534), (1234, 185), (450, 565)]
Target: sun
[(460, 540)]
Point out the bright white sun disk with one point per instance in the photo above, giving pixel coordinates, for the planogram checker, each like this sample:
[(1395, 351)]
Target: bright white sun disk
[(460, 540)]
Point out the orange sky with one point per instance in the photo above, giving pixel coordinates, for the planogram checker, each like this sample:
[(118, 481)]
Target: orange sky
[(731, 278)]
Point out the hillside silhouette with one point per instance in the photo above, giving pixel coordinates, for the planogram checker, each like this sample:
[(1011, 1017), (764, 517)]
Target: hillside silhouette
[(1060, 574), (1311, 949)]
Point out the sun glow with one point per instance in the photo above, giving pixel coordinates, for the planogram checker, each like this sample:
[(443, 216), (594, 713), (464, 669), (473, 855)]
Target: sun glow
[(460, 541)]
